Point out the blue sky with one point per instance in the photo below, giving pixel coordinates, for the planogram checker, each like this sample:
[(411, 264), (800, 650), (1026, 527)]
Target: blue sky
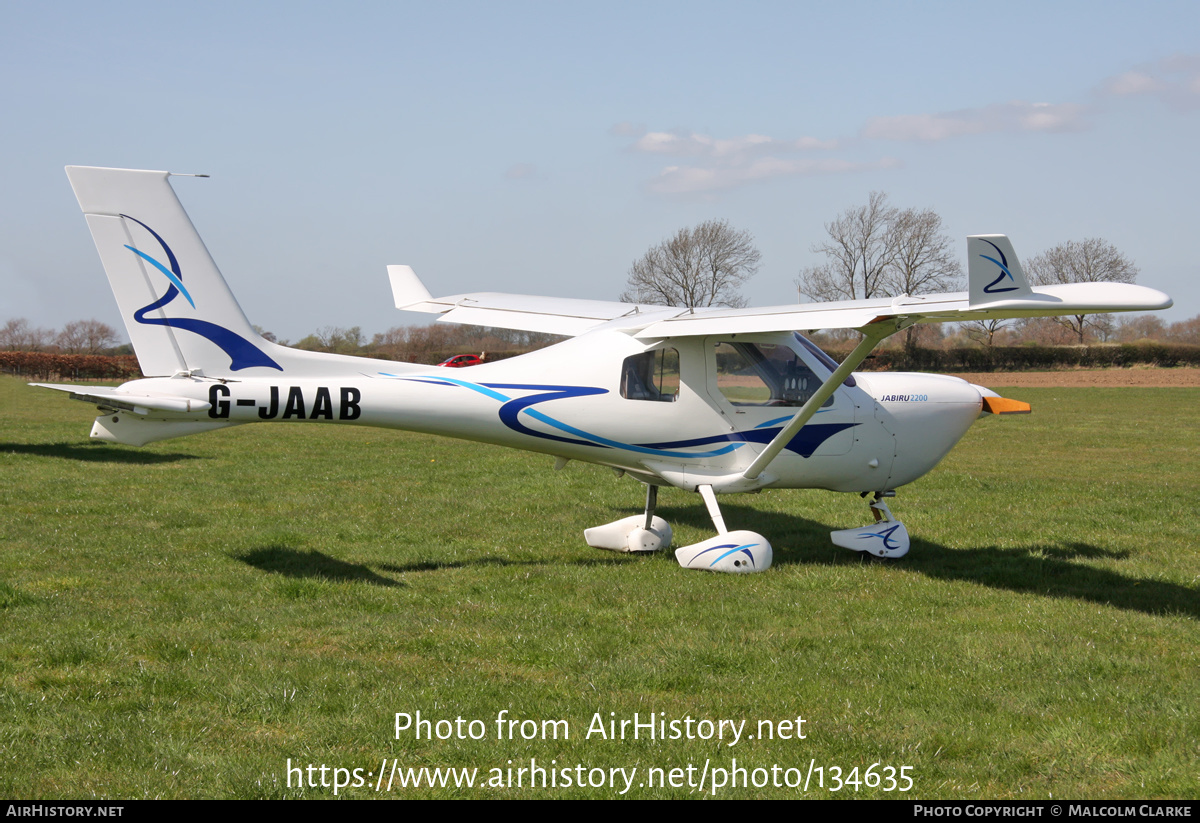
[(542, 147)]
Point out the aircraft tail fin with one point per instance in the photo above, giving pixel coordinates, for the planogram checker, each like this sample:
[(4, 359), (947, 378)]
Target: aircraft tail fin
[(993, 270), (177, 308)]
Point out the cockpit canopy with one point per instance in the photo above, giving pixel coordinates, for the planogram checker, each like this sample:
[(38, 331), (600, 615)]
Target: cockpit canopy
[(783, 373)]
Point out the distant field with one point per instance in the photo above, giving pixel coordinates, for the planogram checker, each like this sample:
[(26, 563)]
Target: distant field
[(181, 620), (1143, 377)]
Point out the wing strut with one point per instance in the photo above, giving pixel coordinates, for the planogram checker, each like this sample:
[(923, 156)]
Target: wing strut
[(873, 334)]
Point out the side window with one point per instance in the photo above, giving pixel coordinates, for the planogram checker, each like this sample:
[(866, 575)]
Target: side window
[(651, 375), (764, 374)]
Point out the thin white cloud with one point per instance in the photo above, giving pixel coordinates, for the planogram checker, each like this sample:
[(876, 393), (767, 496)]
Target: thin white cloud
[(1015, 116), (709, 164), (1173, 80), (1132, 82), (704, 179), (723, 163), (731, 149)]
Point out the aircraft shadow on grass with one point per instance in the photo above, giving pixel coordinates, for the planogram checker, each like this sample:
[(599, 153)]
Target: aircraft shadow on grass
[(93, 453), (319, 566), (291, 562), (314, 564), (605, 559), (1045, 570)]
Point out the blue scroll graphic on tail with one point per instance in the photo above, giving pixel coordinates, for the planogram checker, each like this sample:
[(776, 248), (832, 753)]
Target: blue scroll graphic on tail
[(1004, 272), (242, 353)]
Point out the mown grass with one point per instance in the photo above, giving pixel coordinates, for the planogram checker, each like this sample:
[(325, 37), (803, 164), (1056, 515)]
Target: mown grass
[(180, 620)]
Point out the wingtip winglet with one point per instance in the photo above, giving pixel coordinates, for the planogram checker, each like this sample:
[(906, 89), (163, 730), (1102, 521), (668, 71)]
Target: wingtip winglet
[(407, 288)]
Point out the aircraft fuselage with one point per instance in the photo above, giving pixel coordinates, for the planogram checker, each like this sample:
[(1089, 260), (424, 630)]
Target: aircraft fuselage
[(577, 400)]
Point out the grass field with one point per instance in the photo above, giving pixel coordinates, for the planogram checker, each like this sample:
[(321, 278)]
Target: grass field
[(181, 620)]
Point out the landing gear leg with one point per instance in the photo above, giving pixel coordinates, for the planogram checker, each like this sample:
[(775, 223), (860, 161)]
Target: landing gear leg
[(887, 538), (651, 503), (714, 510)]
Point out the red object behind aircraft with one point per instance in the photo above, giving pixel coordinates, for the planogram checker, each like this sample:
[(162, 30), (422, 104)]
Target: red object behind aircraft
[(458, 361)]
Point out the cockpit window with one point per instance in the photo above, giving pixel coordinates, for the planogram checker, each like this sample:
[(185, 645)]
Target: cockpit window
[(651, 375), (764, 374), (826, 361)]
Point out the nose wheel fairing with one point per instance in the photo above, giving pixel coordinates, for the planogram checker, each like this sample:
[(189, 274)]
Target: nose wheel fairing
[(887, 537)]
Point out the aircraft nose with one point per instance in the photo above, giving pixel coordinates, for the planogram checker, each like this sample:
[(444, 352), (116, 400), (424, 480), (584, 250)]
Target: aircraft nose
[(927, 414)]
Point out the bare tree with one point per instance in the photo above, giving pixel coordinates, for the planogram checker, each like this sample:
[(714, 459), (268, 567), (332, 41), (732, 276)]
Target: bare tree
[(878, 250), (1104, 326), (1088, 261), (1185, 331), (18, 335), (923, 259), (1043, 331), (983, 331), (701, 266), (860, 250), (1141, 327), (86, 337)]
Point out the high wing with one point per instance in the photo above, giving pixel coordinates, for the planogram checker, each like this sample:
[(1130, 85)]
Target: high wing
[(998, 290), (525, 312)]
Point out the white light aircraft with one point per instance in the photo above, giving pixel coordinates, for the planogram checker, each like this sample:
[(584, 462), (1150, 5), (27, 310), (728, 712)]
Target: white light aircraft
[(713, 401)]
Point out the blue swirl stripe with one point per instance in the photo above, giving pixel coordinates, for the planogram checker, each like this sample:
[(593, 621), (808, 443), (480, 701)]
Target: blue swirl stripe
[(733, 549), (169, 274), (885, 535), (806, 441)]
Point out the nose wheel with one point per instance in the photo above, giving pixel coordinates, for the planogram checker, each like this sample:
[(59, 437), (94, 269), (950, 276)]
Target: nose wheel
[(886, 538)]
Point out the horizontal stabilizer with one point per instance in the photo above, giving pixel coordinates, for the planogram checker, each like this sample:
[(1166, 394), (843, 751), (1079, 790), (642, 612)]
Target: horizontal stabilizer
[(142, 404)]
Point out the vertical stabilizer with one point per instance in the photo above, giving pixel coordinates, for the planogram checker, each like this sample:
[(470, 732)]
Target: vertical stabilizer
[(177, 308), (993, 270)]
